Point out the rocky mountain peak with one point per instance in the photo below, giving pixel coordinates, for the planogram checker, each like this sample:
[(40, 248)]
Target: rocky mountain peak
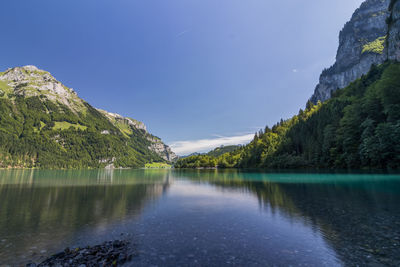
[(362, 43), (30, 68), (25, 73), (30, 81)]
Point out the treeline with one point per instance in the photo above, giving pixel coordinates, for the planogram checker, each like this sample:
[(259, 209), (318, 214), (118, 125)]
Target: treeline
[(222, 150), (29, 139), (359, 127)]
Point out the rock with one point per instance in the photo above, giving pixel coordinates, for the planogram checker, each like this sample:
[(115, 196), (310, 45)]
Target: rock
[(163, 150), (30, 81), (109, 253), (394, 33), (366, 30), (122, 258)]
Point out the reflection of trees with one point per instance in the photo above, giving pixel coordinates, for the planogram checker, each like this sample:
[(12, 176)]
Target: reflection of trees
[(362, 222), (60, 203), (360, 219), (269, 194)]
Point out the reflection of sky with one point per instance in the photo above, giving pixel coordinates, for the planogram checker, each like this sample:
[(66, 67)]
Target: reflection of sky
[(253, 216), (215, 216)]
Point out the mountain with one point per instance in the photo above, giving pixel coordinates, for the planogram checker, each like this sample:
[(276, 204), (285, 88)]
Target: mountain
[(357, 126), (222, 150), (45, 124), (362, 42), (215, 152), (394, 31), (191, 154), (128, 125)]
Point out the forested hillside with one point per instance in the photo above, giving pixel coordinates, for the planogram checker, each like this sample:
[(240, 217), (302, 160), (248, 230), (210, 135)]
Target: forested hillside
[(44, 124), (359, 127), (222, 150)]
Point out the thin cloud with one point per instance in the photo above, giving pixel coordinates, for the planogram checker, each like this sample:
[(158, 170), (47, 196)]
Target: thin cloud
[(203, 145), (182, 33)]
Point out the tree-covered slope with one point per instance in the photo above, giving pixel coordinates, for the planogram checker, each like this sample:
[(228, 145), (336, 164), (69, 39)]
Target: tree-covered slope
[(359, 127), (45, 124), (222, 150)]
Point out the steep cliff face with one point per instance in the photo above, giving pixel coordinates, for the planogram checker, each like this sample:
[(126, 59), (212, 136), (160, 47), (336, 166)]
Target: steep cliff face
[(394, 31), (361, 43), (162, 149)]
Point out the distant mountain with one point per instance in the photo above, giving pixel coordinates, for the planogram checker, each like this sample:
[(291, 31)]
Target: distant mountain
[(222, 150), (45, 124), (192, 154), (215, 152)]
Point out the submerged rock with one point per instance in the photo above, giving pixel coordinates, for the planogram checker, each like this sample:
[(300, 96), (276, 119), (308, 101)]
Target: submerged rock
[(110, 253)]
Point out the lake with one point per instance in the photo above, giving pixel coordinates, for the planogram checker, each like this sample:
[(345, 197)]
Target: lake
[(203, 217)]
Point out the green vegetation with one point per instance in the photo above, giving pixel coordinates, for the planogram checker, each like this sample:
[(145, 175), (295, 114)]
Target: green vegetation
[(222, 157), (377, 46), (222, 150), (64, 125), (359, 127), (158, 165), (39, 72), (38, 133), (4, 88), (125, 128)]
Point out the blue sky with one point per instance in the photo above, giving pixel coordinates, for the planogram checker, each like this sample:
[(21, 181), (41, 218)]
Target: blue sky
[(198, 73)]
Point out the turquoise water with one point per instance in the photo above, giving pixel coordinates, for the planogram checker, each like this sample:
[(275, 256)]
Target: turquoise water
[(206, 217)]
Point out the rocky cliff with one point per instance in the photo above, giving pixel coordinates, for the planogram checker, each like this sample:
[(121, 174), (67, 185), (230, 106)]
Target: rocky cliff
[(362, 42), (394, 31)]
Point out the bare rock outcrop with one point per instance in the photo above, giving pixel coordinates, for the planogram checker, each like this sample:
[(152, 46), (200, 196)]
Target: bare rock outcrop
[(362, 42)]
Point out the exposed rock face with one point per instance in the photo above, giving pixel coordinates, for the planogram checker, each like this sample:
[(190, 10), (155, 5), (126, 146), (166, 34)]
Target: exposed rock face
[(361, 44), (394, 32), (30, 81), (162, 150), (157, 145)]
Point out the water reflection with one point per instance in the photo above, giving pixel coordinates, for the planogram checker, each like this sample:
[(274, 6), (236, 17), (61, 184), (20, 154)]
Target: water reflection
[(358, 214), (43, 211), (355, 216)]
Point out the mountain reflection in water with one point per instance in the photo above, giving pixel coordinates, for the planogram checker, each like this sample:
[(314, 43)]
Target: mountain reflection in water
[(207, 217)]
